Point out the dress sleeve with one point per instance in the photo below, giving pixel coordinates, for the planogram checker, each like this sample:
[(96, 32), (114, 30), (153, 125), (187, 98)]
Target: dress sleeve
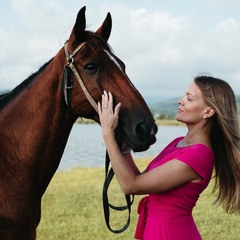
[(200, 158)]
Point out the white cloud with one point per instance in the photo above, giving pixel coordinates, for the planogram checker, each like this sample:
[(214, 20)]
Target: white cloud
[(228, 25), (162, 48), (223, 3)]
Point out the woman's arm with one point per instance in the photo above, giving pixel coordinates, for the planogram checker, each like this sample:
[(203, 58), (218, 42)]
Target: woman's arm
[(163, 178), (126, 152)]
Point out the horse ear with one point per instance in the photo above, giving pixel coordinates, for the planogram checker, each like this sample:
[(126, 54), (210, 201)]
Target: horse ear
[(105, 30), (80, 25)]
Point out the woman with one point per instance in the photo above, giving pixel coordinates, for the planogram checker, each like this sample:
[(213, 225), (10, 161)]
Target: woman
[(177, 176)]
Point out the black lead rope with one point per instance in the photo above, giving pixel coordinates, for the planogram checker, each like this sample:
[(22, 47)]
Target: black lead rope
[(106, 205)]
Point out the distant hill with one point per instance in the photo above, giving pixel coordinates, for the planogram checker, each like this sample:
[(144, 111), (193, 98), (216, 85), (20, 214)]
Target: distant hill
[(170, 107)]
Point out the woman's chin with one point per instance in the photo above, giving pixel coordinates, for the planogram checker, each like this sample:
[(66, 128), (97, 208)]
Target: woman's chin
[(178, 118)]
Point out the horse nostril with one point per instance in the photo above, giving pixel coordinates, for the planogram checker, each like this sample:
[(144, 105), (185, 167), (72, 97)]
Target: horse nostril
[(143, 130), (140, 130)]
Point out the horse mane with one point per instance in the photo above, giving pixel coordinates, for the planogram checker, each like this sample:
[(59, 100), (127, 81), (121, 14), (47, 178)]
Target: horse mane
[(3, 94), (5, 98)]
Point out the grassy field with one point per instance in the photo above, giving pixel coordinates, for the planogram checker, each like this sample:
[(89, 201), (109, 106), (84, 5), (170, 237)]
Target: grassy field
[(72, 210)]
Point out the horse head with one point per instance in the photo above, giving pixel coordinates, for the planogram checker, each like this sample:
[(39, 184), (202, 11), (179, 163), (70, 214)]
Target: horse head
[(92, 65)]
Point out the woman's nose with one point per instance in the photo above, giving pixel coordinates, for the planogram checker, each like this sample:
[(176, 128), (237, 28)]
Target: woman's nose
[(180, 101)]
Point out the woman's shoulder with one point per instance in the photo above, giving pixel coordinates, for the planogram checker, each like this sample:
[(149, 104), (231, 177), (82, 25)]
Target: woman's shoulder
[(197, 151), (175, 141), (197, 155), (201, 149)]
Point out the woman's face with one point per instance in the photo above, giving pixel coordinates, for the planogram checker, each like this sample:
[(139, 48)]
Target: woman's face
[(192, 106)]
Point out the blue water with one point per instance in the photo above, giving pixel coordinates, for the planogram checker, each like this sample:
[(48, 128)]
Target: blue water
[(85, 147)]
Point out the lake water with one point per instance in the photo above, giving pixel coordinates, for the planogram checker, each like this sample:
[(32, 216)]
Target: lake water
[(85, 147)]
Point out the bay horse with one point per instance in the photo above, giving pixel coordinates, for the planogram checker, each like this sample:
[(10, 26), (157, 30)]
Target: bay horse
[(37, 116)]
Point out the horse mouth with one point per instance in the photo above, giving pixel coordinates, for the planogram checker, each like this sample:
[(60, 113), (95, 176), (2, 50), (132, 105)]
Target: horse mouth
[(137, 146), (138, 142)]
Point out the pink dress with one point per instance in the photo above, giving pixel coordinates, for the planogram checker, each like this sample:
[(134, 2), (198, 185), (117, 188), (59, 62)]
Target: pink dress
[(168, 215)]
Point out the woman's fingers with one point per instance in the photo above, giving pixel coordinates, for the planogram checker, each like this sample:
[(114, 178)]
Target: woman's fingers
[(107, 100), (99, 108), (107, 104), (104, 101), (108, 116), (117, 109)]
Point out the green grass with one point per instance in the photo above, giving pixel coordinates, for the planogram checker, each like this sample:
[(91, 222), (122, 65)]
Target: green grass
[(72, 210), (169, 122)]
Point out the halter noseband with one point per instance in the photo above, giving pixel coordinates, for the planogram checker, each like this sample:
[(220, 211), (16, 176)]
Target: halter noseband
[(67, 86)]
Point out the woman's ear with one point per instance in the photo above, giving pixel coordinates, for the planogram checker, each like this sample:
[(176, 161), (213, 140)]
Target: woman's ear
[(208, 113)]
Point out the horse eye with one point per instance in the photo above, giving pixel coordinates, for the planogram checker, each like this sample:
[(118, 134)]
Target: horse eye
[(91, 67)]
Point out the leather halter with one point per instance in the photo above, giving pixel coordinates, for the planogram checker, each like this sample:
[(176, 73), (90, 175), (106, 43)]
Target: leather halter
[(108, 173), (70, 61)]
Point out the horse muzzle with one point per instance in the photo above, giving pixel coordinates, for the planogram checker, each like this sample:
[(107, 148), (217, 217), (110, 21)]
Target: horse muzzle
[(140, 137)]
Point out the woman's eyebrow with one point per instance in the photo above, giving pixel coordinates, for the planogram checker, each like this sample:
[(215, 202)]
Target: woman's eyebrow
[(189, 94)]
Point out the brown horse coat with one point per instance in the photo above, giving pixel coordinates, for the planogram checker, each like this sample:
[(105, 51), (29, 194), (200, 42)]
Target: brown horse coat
[(35, 123)]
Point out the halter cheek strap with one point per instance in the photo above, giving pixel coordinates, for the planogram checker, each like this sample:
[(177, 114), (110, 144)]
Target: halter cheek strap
[(68, 84)]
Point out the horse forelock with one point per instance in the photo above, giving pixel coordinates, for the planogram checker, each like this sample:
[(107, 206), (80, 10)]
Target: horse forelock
[(7, 97), (95, 41)]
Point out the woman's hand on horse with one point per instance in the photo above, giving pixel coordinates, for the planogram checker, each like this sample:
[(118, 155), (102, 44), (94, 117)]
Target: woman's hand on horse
[(108, 116)]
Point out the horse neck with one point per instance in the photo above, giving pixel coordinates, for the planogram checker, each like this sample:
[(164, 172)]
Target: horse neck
[(42, 100), (37, 123)]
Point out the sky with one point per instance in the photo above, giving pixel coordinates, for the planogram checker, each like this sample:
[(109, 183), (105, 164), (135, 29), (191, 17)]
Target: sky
[(164, 44)]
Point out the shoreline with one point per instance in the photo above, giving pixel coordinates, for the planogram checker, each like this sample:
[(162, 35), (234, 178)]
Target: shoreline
[(164, 122)]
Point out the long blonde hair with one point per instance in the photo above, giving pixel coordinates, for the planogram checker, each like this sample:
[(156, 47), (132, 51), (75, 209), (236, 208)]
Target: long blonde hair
[(225, 140)]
